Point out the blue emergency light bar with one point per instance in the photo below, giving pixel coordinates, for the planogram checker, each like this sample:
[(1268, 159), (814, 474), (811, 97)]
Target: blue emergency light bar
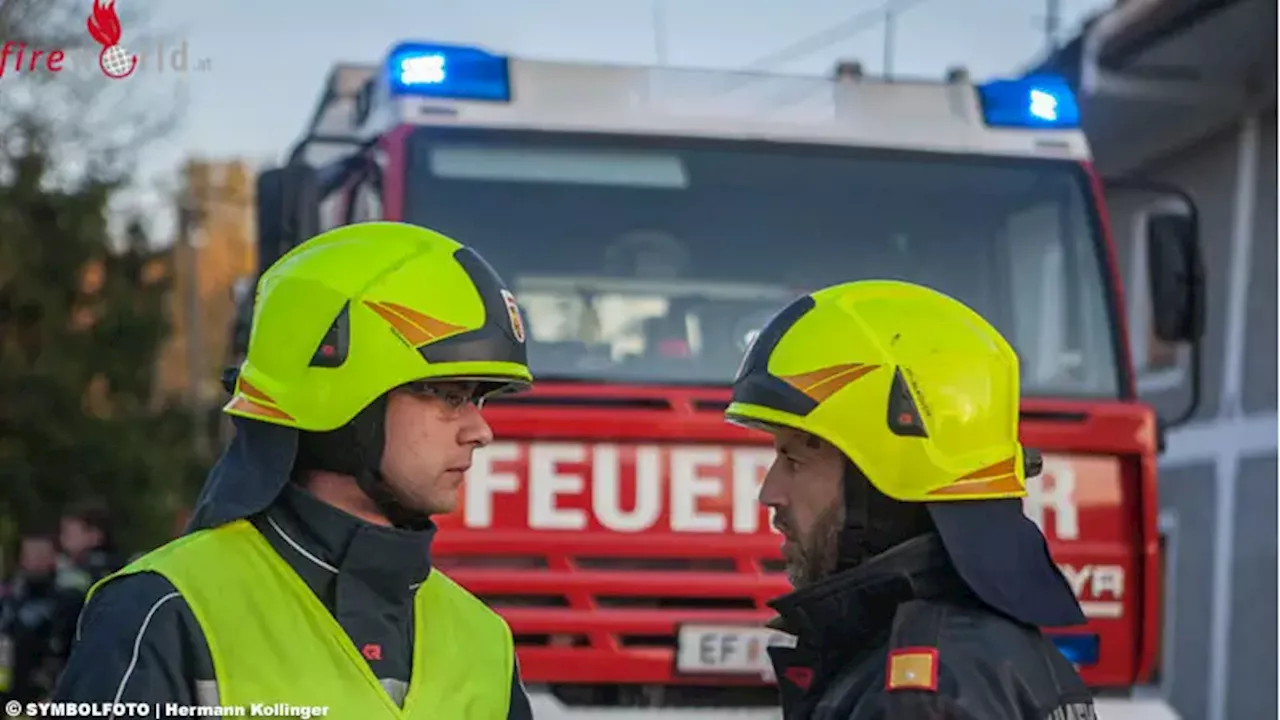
[(454, 72), (1032, 103), (1079, 649)]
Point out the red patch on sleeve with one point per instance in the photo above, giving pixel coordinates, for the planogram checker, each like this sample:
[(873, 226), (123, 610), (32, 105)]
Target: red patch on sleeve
[(912, 668)]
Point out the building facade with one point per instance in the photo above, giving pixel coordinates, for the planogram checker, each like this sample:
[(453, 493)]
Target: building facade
[(1184, 92), (220, 252)]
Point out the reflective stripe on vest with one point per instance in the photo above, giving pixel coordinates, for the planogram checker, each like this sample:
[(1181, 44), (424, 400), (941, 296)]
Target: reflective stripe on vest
[(272, 641)]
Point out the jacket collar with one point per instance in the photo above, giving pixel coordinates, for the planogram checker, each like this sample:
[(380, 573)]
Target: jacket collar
[(335, 552), (848, 608)]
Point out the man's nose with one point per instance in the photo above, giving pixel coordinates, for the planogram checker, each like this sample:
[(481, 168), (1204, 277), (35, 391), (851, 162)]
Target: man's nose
[(773, 489), (475, 429)]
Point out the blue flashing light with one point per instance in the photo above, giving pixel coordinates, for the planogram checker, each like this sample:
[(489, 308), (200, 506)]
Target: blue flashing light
[(1032, 103), (1082, 650), (448, 71)]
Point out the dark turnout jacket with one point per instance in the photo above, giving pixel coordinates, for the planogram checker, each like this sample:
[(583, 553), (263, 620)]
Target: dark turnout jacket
[(37, 619), (902, 638), (137, 640)]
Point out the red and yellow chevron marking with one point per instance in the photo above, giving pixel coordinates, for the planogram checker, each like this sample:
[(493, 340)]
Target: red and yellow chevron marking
[(1001, 477), (249, 400), (822, 384), (416, 328)]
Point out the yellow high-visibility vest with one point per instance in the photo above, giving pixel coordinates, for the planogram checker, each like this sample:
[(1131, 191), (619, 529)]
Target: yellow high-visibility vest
[(275, 645)]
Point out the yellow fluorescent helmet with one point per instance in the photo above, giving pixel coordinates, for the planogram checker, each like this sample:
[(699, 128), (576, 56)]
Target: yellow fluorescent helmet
[(918, 390), (362, 309)]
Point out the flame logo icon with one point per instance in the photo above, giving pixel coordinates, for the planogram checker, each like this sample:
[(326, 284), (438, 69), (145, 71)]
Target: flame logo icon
[(104, 27)]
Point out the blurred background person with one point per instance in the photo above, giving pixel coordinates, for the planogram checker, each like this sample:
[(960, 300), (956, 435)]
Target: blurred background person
[(37, 619), (87, 542)]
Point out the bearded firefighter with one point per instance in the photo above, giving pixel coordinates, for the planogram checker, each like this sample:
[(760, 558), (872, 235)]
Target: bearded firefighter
[(920, 584)]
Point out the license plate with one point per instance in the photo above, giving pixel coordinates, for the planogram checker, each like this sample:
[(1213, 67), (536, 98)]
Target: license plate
[(727, 650)]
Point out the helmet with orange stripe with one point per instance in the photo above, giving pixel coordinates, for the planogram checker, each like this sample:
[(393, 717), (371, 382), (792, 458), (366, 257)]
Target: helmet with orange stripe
[(919, 391), (347, 327), (366, 308), (921, 396)]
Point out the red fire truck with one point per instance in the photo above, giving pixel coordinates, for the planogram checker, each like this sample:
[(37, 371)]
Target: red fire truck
[(649, 221)]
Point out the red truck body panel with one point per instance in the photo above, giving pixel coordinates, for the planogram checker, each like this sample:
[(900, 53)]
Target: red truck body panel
[(596, 547)]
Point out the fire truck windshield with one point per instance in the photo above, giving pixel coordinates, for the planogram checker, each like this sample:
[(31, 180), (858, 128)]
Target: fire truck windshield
[(656, 260)]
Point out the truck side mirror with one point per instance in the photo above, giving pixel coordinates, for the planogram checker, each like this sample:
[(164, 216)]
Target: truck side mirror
[(269, 195), (301, 203), (288, 210), (1176, 277)]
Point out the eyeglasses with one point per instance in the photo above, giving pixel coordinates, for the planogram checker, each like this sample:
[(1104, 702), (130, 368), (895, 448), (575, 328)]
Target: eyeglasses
[(455, 398)]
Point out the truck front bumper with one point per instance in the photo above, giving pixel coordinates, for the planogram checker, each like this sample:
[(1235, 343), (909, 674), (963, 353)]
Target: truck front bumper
[(547, 707)]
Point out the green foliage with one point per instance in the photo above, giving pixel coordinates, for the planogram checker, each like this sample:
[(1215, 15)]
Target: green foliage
[(81, 329)]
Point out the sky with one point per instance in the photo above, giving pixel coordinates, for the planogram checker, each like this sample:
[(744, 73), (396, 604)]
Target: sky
[(255, 69)]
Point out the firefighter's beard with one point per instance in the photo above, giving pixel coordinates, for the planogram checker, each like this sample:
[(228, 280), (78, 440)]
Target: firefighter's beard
[(812, 556)]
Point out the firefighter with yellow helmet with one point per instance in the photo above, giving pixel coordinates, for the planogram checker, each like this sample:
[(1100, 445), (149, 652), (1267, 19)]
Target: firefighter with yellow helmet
[(304, 581), (920, 585)]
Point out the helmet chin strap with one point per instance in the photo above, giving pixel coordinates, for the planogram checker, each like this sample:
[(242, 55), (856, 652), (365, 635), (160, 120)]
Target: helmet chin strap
[(874, 522), (372, 483), (370, 441), (356, 449)]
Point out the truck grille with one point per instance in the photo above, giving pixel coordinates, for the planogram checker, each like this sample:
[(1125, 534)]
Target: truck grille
[(596, 607)]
